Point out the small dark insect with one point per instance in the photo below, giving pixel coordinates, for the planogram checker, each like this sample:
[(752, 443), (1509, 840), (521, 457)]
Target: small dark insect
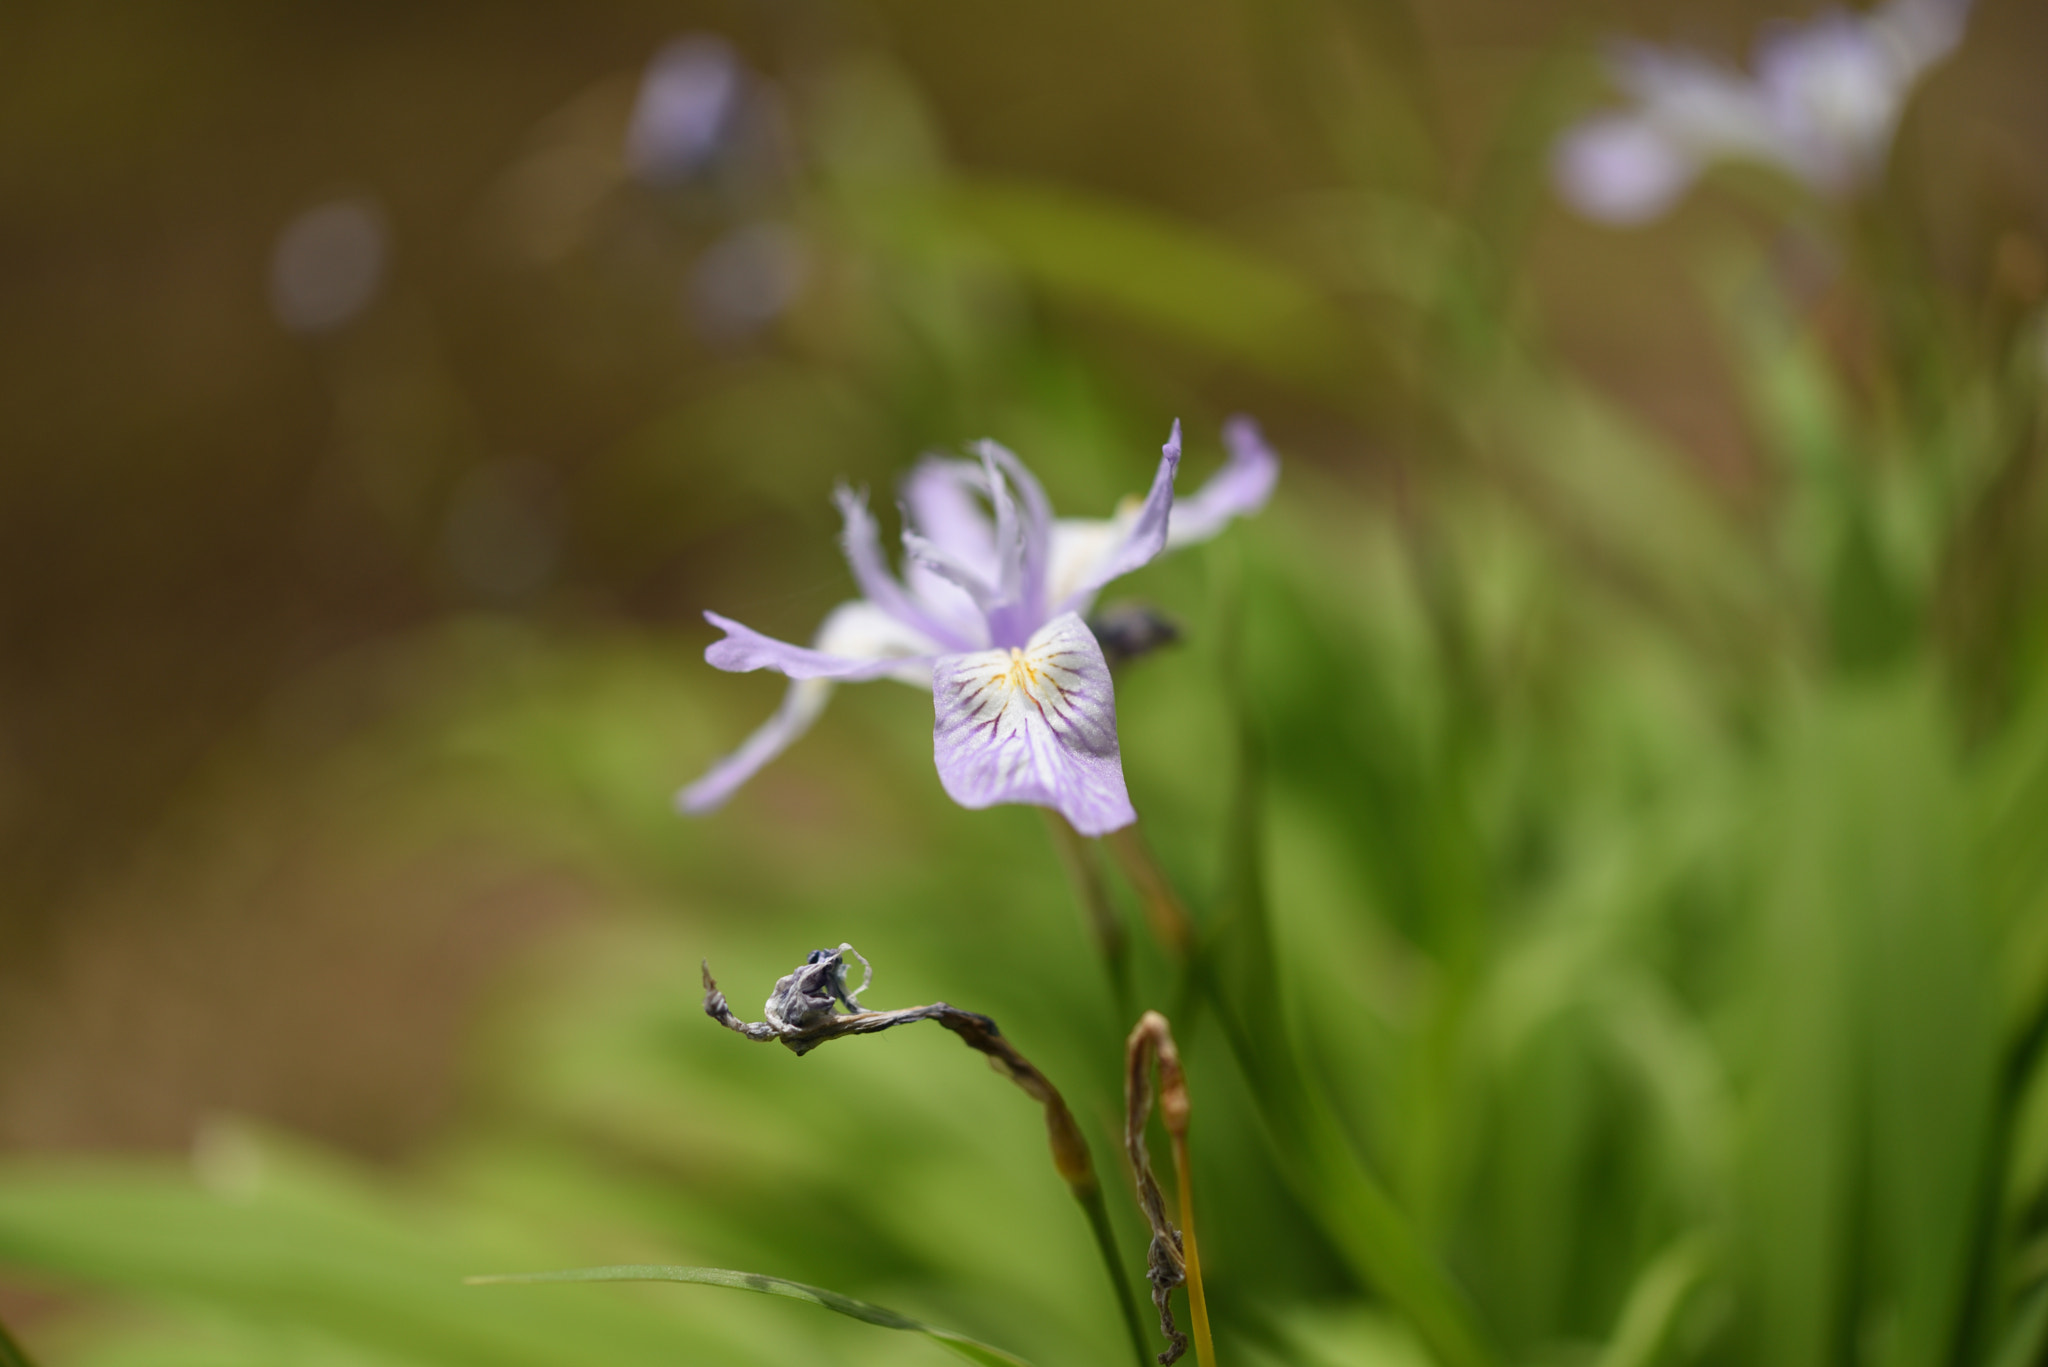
[(1129, 630)]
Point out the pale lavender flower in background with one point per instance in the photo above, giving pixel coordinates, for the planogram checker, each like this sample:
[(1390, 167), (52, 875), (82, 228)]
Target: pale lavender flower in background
[(688, 104), (988, 616), (328, 264), (745, 280), (1822, 107)]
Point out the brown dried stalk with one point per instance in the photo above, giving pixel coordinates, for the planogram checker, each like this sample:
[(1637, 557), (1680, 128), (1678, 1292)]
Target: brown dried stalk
[(1172, 1258), (802, 1015)]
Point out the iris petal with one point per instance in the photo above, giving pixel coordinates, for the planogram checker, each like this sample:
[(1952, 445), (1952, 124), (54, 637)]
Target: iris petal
[(800, 707), (861, 540), (1139, 535), (1620, 169), (859, 641), (1034, 522), (1034, 724), (1239, 489), (942, 501), (855, 631)]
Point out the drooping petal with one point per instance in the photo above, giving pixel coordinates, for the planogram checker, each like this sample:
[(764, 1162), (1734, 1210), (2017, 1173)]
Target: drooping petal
[(801, 705), (1239, 489), (853, 632), (858, 641), (1923, 31), (1835, 87), (1035, 724), (1085, 556), (1621, 169), (1703, 108), (861, 540)]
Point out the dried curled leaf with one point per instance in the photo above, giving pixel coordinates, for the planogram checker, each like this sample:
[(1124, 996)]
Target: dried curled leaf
[(803, 1013)]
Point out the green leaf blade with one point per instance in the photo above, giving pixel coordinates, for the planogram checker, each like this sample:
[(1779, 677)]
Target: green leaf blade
[(865, 1311)]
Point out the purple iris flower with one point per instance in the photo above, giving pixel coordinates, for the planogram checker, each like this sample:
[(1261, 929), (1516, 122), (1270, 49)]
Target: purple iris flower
[(688, 104), (988, 616), (1822, 107)]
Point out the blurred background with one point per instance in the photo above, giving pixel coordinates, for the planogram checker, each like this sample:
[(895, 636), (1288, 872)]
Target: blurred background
[(386, 390)]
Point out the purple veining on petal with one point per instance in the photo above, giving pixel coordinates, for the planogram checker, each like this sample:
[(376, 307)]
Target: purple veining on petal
[(745, 649), (1035, 724), (1144, 539), (1239, 489), (1023, 708)]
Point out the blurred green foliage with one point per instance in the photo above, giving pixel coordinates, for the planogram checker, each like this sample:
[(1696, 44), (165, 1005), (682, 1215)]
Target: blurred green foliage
[(1624, 907)]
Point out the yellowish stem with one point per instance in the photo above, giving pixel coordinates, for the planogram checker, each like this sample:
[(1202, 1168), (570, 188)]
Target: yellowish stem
[(1198, 1304), (1173, 1251)]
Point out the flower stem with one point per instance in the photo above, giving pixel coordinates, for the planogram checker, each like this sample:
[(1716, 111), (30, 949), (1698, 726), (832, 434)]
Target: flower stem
[(1113, 1265), (1163, 909), (1198, 1304), (1093, 893), (1070, 1155)]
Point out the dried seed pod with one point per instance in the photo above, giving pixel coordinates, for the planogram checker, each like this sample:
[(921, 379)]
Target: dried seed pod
[(1172, 1259), (801, 1016)]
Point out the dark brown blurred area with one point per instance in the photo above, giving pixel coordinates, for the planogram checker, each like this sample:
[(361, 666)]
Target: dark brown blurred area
[(202, 509)]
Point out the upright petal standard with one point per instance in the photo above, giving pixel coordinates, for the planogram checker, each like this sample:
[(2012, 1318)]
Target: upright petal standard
[(988, 615), (1822, 105)]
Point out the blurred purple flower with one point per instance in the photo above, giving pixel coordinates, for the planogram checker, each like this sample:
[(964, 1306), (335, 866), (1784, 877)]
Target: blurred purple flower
[(988, 616), (1822, 108), (746, 279), (327, 265), (688, 103)]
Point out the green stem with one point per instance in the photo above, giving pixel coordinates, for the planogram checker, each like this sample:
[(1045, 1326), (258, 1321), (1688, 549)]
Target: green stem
[(1164, 911), (1113, 1265), (11, 1354), (1111, 943)]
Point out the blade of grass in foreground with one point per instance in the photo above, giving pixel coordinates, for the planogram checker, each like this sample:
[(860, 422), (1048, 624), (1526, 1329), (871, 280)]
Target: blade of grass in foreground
[(10, 1351), (971, 1349)]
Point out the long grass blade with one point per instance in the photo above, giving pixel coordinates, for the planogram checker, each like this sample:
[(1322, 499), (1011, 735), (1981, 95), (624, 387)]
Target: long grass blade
[(868, 1313)]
